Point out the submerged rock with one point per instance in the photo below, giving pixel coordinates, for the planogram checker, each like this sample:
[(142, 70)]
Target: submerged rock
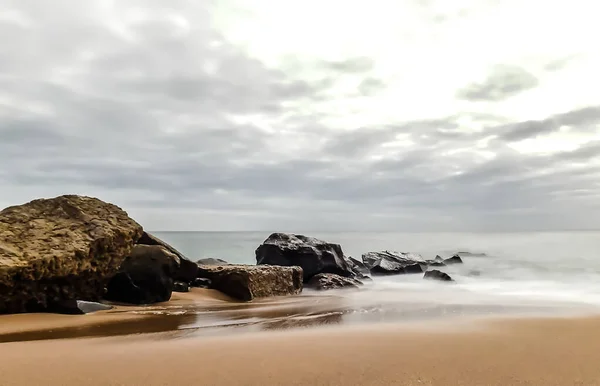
[(437, 275), (78, 307), (393, 263), (246, 282), (60, 249), (453, 260), (327, 281), (187, 270), (145, 277), (313, 255), (211, 261)]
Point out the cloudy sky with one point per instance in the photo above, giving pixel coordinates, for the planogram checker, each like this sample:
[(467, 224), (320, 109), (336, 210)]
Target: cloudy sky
[(306, 115)]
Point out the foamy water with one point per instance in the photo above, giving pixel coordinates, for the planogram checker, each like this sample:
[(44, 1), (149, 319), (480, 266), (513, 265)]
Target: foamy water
[(503, 272)]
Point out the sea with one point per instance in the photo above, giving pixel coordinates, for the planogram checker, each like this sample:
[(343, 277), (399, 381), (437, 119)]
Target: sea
[(535, 273)]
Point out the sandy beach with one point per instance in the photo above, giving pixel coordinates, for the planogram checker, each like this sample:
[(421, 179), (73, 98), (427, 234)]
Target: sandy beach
[(542, 351)]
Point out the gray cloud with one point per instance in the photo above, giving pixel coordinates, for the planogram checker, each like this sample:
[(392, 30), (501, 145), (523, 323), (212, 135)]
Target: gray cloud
[(503, 82), (186, 130)]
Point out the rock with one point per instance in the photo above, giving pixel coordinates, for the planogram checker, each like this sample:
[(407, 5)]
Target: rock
[(211, 261), (313, 255), (187, 271), (434, 263), (359, 269), (327, 281), (246, 282), (60, 249), (439, 259), (393, 263), (180, 286), (145, 277), (472, 254), (78, 307), (201, 282), (453, 260), (437, 275)]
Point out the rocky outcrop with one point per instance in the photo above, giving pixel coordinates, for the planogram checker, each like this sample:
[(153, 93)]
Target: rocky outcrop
[(313, 255), (211, 261), (246, 282), (187, 270), (145, 277), (453, 260), (437, 275), (327, 281), (60, 249), (393, 263)]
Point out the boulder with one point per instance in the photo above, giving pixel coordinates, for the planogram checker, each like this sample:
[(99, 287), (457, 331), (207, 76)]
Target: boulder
[(211, 261), (78, 307), (187, 271), (313, 255), (60, 249), (359, 269), (393, 263), (437, 275), (327, 281), (453, 260), (181, 286), (145, 277), (246, 282)]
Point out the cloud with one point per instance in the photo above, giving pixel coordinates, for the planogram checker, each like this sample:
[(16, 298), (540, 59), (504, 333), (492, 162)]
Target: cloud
[(503, 82), (164, 109)]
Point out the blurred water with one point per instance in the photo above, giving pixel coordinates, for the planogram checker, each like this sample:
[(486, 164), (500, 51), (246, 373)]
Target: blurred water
[(525, 270)]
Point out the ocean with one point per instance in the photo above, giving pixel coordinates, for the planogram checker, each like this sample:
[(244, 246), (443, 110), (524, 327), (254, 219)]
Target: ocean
[(541, 273)]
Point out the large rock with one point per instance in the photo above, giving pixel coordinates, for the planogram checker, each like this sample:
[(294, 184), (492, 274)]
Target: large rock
[(453, 260), (327, 281), (313, 255), (437, 275), (145, 277), (393, 263), (246, 282), (60, 249), (211, 261), (359, 268), (187, 271)]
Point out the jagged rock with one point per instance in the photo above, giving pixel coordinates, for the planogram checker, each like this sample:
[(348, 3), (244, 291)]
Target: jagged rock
[(327, 281), (313, 255), (60, 249), (360, 270), (187, 271), (393, 263), (437, 275), (211, 261), (201, 282), (145, 277), (78, 307), (246, 282), (180, 286), (453, 260)]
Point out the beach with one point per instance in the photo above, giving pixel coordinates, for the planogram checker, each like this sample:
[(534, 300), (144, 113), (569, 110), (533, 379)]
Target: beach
[(452, 351)]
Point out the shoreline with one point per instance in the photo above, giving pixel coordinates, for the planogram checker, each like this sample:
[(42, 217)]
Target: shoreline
[(527, 351)]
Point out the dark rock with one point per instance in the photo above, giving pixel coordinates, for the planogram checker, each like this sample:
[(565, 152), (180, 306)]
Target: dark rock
[(439, 259), (145, 277), (202, 282), (78, 307), (211, 261), (180, 286), (453, 260), (60, 249), (359, 269), (434, 263), (327, 281), (246, 282), (187, 271), (437, 275), (471, 254), (393, 263), (313, 255)]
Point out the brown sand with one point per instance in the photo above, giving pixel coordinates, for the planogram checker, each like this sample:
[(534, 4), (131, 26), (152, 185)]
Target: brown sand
[(518, 352)]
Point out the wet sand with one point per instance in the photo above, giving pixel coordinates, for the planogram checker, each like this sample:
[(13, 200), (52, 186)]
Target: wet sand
[(205, 338), (517, 352)]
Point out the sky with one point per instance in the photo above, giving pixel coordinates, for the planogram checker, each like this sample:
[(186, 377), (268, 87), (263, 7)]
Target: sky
[(380, 115)]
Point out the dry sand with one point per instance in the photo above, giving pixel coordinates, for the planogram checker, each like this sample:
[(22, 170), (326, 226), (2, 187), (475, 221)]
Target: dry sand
[(504, 352)]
